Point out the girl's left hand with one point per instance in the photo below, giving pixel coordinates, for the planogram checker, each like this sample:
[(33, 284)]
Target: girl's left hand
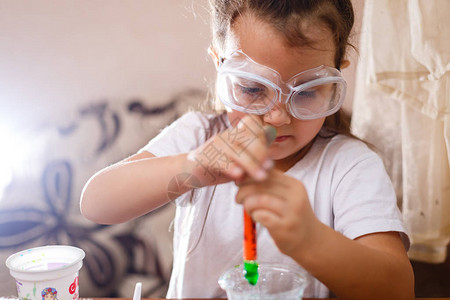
[(280, 203)]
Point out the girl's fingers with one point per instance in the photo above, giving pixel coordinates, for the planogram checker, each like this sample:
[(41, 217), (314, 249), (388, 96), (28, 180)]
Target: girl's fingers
[(240, 151), (280, 203), (268, 164), (265, 202), (277, 184), (251, 160), (233, 172), (247, 143), (265, 217)]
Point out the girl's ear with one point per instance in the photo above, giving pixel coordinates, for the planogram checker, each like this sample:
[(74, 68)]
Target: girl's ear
[(214, 55), (344, 64)]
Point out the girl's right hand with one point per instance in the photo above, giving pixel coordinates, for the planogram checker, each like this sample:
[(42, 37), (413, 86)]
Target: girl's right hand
[(233, 154)]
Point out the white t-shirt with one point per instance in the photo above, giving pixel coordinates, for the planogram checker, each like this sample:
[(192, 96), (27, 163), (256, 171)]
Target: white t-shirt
[(347, 186)]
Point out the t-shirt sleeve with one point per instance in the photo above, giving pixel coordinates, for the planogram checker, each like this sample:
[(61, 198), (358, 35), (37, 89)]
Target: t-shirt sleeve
[(183, 135), (365, 200)]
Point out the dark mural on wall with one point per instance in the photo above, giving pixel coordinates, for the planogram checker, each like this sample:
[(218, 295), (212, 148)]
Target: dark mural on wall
[(49, 219)]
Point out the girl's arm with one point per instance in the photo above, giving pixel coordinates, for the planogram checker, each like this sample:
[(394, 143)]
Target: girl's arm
[(131, 188), (373, 266), (141, 183)]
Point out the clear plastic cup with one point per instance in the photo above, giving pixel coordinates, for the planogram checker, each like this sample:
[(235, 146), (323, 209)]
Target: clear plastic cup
[(48, 272), (274, 282)]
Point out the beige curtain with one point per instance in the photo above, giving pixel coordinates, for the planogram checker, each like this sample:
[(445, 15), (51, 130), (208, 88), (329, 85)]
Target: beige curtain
[(402, 106)]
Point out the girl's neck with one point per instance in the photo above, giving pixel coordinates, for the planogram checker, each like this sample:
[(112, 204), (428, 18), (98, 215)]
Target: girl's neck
[(287, 163)]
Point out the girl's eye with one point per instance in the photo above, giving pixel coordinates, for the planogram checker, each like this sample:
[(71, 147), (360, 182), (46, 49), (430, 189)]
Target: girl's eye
[(250, 90), (307, 94)]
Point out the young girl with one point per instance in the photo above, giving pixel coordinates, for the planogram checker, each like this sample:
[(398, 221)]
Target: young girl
[(322, 199)]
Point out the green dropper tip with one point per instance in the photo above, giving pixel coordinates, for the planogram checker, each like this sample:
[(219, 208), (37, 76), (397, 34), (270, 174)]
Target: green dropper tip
[(271, 133), (251, 272)]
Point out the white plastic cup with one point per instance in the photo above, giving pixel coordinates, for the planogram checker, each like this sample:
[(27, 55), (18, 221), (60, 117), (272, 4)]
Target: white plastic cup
[(48, 272), (274, 282)]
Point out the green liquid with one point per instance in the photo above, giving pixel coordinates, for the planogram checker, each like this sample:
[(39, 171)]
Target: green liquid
[(251, 271)]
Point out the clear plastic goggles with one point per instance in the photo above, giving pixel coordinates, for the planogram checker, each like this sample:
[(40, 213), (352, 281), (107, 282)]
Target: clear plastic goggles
[(252, 88)]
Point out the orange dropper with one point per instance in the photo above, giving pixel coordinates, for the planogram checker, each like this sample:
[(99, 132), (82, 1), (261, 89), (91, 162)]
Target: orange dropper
[(250, 253)]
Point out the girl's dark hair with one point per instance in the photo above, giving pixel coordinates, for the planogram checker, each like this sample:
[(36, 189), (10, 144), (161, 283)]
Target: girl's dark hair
[(288, 17)]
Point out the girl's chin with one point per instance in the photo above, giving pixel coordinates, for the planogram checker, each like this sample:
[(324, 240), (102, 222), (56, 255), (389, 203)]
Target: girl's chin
[(276, 154), (283, 154)]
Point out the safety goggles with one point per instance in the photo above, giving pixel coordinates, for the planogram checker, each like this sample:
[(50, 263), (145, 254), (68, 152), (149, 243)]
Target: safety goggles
[(247, 86)]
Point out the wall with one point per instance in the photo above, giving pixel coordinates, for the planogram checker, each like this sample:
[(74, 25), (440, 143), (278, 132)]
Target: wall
[(57, 54), (84, 84)]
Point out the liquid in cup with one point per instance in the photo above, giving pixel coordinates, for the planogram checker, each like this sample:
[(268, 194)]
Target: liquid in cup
[(47, 272), (275, 282)]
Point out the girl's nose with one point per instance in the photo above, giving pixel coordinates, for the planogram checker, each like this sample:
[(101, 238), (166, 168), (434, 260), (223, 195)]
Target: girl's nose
[(277, 116)]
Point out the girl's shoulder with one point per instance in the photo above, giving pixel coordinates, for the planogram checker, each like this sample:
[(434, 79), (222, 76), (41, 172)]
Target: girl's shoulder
[(211, 123), (343, 142), (186, 133), (343, 149)]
